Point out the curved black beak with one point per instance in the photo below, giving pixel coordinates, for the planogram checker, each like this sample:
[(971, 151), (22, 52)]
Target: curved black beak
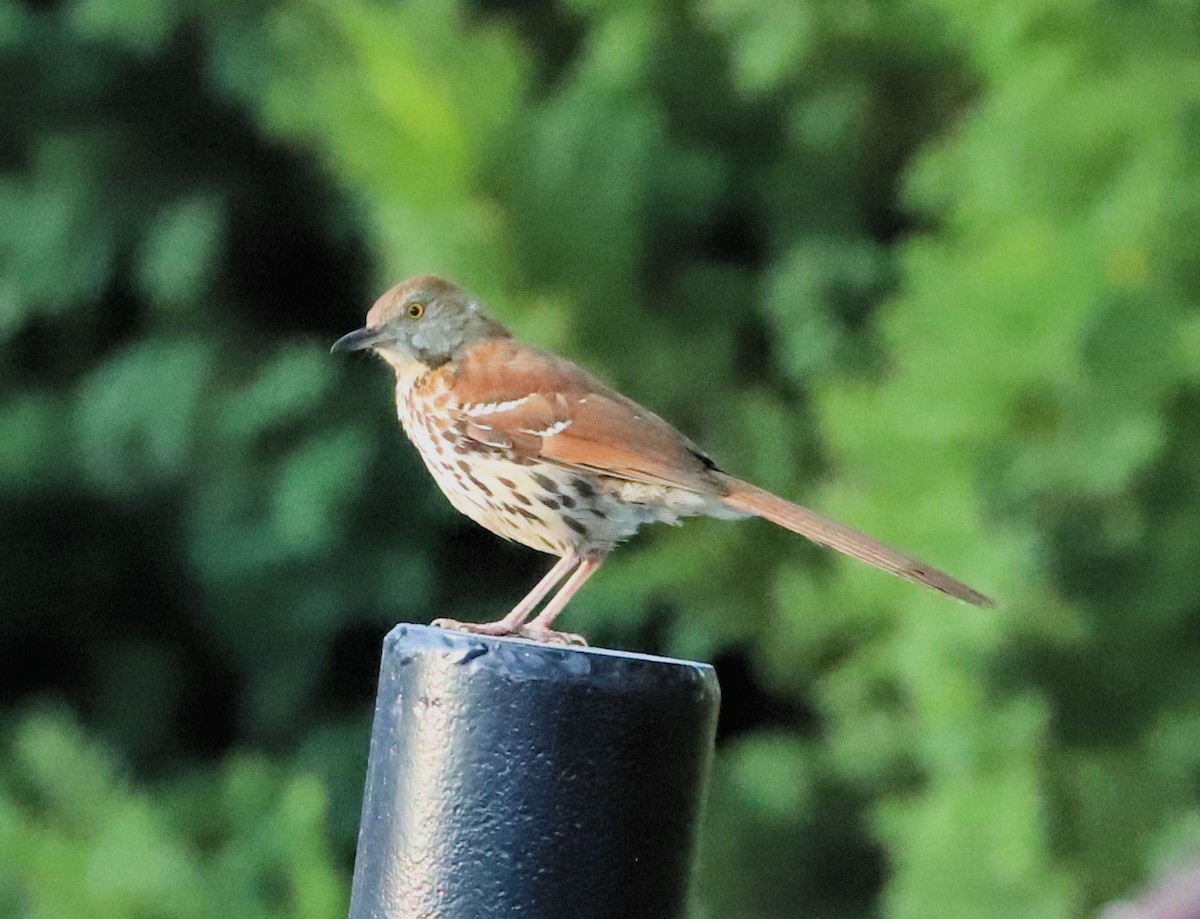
[(357, 340)]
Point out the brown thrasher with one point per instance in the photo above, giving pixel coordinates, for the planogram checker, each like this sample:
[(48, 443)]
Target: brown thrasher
[(535, 449)]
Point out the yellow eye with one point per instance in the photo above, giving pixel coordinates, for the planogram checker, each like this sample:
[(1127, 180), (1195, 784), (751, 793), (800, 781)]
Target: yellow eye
[(416, 310)]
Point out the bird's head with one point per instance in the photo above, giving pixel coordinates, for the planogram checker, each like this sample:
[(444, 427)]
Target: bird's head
[(426, 319)]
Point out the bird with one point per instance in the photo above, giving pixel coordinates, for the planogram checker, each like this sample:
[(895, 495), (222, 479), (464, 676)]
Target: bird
[(539, 451)]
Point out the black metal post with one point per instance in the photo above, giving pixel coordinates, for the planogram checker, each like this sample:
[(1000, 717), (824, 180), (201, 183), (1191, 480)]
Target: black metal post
[(508, 778)]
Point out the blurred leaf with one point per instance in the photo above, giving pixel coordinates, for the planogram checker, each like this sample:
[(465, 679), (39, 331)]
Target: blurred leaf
[(286, 386), (313, 487), (46, 222), (769, 41), (138, 416), (140, 25), (31, 441), (84, 842), (180, 252)]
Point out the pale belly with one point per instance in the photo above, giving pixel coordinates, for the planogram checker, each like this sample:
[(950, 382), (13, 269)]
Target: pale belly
[(543, 505)]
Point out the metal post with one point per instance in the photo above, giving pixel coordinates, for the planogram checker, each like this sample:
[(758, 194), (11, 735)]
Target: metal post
[(508, 778)]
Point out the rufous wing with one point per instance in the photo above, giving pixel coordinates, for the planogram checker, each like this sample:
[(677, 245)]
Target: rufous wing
[(546, 407)]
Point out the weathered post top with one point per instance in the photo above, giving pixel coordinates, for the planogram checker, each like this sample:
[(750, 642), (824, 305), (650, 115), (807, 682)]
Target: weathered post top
[(508, 778)]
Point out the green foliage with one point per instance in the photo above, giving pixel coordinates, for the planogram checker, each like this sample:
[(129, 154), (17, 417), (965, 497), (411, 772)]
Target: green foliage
[(928, 266), (76, 840)]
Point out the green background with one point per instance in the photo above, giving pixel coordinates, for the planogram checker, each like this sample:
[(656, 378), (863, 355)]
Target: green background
[(931, 266)]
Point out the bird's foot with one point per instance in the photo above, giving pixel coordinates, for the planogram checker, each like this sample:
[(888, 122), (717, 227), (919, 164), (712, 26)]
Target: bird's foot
[(499, 628), (552, 637)]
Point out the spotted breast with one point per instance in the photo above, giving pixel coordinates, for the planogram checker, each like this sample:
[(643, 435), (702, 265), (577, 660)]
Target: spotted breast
[(543, 505)]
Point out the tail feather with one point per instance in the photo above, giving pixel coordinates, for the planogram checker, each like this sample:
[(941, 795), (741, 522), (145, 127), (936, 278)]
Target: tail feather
[(743, 496)]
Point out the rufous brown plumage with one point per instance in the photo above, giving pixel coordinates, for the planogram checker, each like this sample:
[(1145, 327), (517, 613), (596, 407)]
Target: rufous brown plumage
[(537, 450)]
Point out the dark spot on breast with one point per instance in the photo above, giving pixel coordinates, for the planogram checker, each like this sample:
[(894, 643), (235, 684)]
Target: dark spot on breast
[(583, 488), (507, 483), (474, 481), (546, 482), (520, 497), (567, 501), (464, 466), (596, 512), (528, 515), (575, 525), (549, 502)]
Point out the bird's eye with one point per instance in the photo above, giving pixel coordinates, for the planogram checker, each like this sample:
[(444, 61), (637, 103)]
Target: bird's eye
[(416, 310)]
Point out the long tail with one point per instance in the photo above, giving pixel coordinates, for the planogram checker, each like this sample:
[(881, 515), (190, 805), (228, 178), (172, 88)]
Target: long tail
[(743, 496)]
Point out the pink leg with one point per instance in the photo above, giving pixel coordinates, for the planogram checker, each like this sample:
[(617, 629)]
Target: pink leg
[(512, 623), (539, 629), (521, 611)]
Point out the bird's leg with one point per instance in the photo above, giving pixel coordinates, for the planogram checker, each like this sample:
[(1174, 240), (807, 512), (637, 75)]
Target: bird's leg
[(539, 629), (511, 624), (521, 611)]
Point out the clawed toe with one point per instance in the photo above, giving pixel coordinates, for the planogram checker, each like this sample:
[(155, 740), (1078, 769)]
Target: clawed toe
[(497, 629), (500, 629), (551, 637)]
